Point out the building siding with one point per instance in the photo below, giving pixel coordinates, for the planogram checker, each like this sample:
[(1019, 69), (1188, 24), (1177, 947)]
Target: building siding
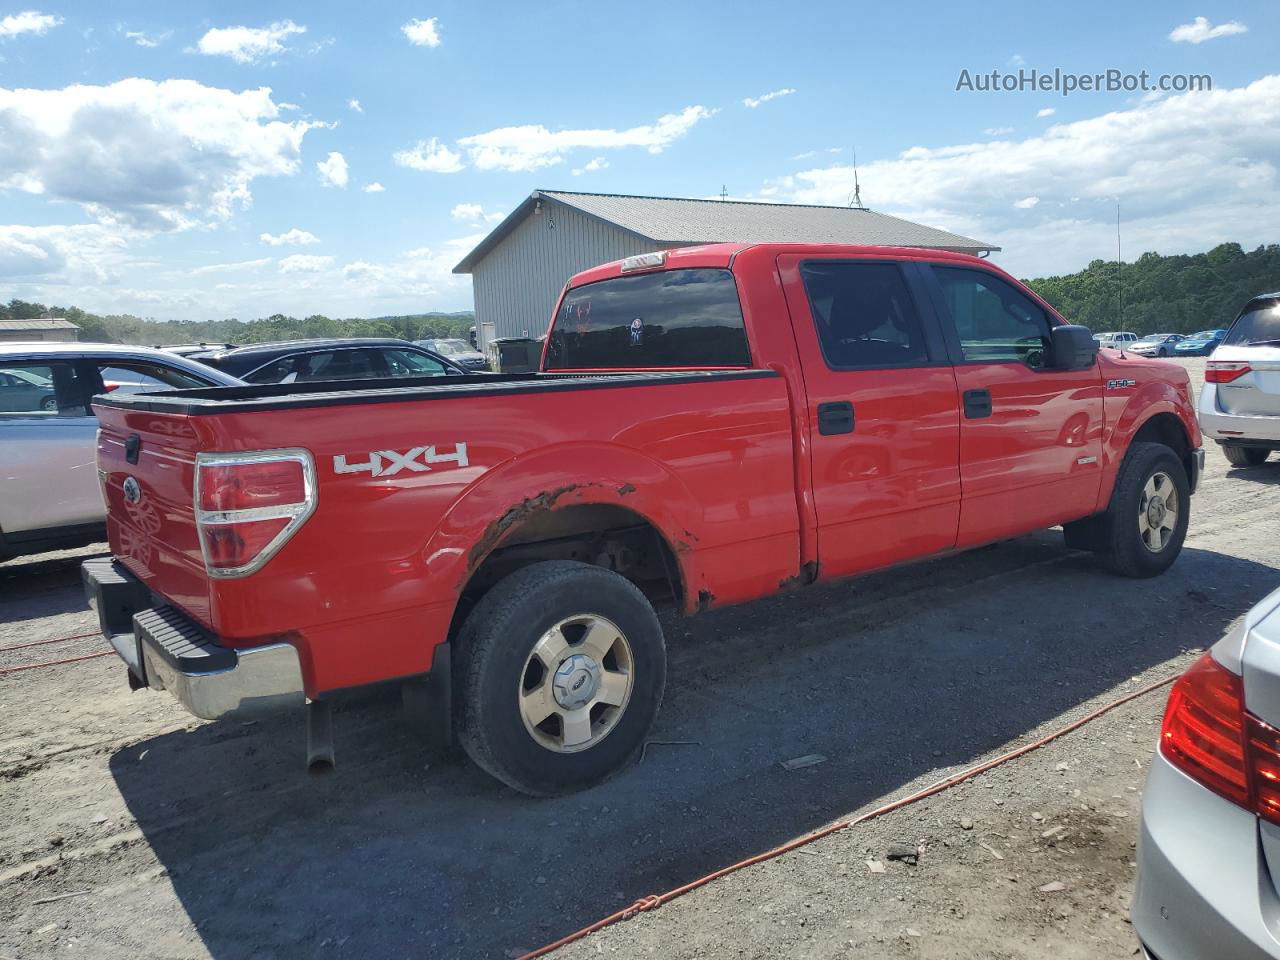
[(517, 285)]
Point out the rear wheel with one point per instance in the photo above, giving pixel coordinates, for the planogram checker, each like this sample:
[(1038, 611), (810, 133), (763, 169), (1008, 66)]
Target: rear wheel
[(1142, 530), (1245, 456), (561, 673)]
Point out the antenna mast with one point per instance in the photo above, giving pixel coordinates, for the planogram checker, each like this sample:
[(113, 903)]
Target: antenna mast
[(1119, 270), (724, 192), (856, 201)]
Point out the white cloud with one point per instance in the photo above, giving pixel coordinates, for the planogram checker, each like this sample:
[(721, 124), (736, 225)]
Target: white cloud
[(290, 238), (429, 155), (143, 39), (354, 104), (231, 267), (374, 187), (598, 163), (247, 44), (1187, 168), (474, 213), (754, 102), (1199, 30), (81, 254), (1017, 60), (333, 171), (422, 33), (533, 146), (304, 263), (151, 155), (1045, 112), (998, 131), (1026, 203), (28, 21)]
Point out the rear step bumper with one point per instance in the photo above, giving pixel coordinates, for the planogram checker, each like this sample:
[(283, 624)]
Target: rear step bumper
[(166, 650)]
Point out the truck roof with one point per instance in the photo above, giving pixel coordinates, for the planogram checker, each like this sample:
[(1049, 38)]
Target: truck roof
[(722, 255)]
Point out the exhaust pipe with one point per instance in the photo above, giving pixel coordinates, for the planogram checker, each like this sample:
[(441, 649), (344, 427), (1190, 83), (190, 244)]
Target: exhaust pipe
[(319, 737)]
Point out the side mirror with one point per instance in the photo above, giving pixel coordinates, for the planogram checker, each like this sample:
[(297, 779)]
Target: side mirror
[(1072, 347)]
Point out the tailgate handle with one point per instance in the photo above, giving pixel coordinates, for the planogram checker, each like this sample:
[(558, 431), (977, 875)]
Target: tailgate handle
[(132, 444), (977, 404), (835, 418)]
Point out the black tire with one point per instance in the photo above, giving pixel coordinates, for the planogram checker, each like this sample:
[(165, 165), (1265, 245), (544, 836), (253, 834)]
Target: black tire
[(1119, 544), (1162, 352), (494, 648), (1245, 456), (48, 404)]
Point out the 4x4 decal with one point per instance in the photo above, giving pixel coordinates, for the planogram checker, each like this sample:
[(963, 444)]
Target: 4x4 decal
[(386, 463)]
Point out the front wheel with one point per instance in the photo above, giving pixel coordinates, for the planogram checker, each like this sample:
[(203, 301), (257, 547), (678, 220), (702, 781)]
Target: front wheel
[(1142, 531), (562, 667), (1245, 456), (49, 404), (1162, 352)]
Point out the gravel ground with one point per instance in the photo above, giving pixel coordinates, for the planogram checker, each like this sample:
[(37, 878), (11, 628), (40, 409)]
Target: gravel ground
[(166, 836)]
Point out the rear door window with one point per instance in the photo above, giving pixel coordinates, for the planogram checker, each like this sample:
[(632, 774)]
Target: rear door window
[(41, 391), (318, 366), (409, 363), (144, 377), (864, 314), (672, 318)]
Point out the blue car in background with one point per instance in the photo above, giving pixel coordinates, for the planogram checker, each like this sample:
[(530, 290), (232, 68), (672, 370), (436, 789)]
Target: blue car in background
[(1199, 344)]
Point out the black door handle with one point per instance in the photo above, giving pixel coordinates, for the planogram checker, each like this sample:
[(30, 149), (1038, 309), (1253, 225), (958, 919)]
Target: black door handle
[(835, 418), (977, 404)]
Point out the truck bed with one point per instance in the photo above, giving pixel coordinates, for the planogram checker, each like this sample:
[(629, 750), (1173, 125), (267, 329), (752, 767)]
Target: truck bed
[(205, 401)]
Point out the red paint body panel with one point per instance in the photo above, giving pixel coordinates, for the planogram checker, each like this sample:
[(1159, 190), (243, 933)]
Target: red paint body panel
[(730, 470)]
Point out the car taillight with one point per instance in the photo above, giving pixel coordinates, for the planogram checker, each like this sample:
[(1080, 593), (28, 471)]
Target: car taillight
[(1208, 736), (1203, 730), (248, 504), (1224, 371)]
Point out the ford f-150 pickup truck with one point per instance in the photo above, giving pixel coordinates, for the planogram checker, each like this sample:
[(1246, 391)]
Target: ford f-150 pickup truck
[(710, 425)]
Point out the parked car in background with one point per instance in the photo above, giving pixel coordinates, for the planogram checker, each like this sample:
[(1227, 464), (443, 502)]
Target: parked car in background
[(1240, 400), (711, 425), (1116, 339), (49, 492), (1199, 344), (186, 349), (459, 351), (310, 361), (1155, 344), (1209, 844)]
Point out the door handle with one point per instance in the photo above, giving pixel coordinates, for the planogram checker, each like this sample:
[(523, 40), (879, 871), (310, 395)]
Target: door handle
[(977, 404), (835, 418)]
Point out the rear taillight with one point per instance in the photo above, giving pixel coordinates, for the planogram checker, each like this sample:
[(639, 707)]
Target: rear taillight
[(1208, 736), (1224, 371), (249, 504)]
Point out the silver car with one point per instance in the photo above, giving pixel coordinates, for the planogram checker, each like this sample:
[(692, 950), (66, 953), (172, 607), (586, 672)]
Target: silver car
[(49, 495), (1209, 849)]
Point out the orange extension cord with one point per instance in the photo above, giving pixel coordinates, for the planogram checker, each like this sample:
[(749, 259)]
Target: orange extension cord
[(653, 902), (51, 663)]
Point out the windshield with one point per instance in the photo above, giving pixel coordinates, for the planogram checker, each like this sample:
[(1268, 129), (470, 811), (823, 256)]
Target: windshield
[(1260, 325), (670, 318), (451, 348)]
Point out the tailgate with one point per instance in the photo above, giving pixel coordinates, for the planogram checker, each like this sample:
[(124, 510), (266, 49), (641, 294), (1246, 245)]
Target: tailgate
[(1256, 393), (146, 461)]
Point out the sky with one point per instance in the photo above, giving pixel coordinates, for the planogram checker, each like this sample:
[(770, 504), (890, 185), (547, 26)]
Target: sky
[(201, 161)]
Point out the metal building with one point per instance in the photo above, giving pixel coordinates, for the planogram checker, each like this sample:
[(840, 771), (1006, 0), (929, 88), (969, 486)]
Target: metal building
[(518, 270), (61, 331)]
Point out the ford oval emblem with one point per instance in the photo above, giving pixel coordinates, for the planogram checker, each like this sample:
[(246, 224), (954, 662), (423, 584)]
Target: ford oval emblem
[(132, 489)]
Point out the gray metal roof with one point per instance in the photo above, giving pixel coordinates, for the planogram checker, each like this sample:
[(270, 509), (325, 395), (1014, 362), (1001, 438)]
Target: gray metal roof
[(37, 325), (671, 220)]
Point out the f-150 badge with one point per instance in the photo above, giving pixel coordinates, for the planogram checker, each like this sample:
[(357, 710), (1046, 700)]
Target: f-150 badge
[(387, 463), (1121, 384)]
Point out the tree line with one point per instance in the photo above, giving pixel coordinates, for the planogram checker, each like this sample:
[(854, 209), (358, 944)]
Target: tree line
[(126, 328), (1153, 294)]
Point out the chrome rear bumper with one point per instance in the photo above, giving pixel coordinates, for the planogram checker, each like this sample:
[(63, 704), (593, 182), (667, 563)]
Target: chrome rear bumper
[(166, 650)]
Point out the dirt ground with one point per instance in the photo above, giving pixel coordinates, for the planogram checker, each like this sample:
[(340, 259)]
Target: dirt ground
[(131, 830)]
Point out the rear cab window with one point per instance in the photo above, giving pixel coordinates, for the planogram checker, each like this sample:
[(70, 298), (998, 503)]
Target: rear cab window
[(684, 318)]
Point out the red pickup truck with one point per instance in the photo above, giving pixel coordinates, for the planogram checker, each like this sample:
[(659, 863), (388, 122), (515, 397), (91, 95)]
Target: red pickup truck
[(710, 425)]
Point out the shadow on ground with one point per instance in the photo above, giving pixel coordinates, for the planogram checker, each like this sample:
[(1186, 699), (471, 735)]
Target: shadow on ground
[(890, 677)]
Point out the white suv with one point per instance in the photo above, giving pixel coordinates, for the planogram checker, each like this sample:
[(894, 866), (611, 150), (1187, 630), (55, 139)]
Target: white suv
[(1116, 339), (1240, 402)]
